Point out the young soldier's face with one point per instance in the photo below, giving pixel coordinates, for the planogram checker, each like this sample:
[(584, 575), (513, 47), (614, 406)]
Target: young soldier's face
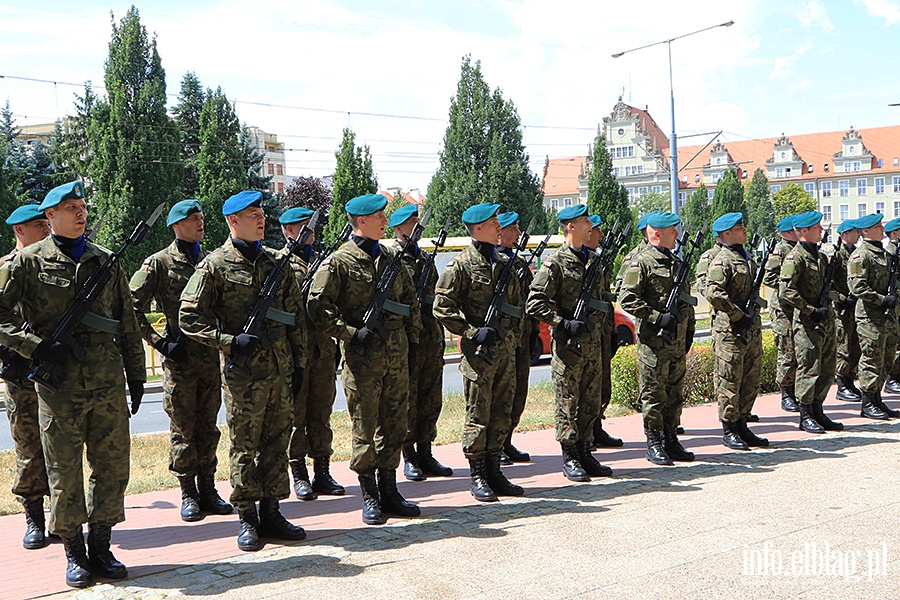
[(851, 237), (813, 234), (487, 231), (292, 230), (664, 237), (509, 235), (32, 231), (190, 229), (68, 218), (874, 233), (248, 225), (594, 241), (405, 229), (372, 226), (735, 235), (580, 228)]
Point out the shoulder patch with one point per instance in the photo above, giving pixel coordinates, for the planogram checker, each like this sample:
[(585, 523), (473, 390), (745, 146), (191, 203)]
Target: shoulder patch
[(854, 268), (634, 264), (326, 262), (147, 261), (787, 269), (201, 264), (718, 263), (789, 257), (450, 264), (776, 253)]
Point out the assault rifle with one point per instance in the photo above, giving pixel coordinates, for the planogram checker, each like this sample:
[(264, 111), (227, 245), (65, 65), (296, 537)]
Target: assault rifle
[(616, 245), (534, 254), (78, 312), (895, 267), (681, 277), (263, 309), (320, 258), (429, 267), (754, 301), (498, 300), (827, 293), (372, 317), (586, 300)]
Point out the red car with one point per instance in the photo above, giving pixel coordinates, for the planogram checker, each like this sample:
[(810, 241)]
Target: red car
[(624, 327)]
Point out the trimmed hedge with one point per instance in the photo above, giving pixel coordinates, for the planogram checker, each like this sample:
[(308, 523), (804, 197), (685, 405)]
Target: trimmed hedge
[(698, 381)]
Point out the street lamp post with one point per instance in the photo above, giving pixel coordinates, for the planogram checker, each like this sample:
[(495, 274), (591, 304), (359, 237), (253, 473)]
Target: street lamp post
[(673, 142)]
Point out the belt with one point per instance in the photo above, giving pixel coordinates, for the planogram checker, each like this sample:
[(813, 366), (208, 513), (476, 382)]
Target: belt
[(93, 339)]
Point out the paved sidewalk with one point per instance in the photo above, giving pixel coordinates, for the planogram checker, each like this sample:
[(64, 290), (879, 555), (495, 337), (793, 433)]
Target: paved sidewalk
[(690, 530)]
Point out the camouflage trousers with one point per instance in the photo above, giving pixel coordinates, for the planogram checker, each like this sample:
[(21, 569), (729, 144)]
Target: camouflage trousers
[(816, 351), (377, 398), (737, 374), (311, 434), (30, 482), (661, 370), (489, 389), (848, 346), (426, 395), (608, 342), (259, 427), (523, 370), (878, 342), (786, 368), (71, 421), (577, 381), (192, 398)]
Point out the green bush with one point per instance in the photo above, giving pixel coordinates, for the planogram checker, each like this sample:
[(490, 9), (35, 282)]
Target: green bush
[(698, 380)]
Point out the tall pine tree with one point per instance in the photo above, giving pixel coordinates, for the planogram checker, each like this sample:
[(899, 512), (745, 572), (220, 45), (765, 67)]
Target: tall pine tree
[(187, 115), (760, 215), (729, 195), (353, 176), (606, 196)]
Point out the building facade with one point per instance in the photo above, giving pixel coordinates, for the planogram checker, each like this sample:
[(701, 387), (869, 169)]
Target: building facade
[(273, 157)]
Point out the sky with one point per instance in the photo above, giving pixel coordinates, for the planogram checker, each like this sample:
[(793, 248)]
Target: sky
[(305, 70)]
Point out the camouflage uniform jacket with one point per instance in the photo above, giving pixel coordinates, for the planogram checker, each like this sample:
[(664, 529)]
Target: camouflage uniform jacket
[(703, 267), (631, 256), (314, 338), (840, 285), (773, 269), (869, 272), (802, 279), (529, 325), (162, 277), (432, 332), (344, 286), (221, 294), (42, 283), (557, 288), (464, 292), (728, 287)]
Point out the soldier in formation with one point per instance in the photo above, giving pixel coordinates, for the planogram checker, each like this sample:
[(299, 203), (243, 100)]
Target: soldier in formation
[(782, 316), (848, 350), (892, 231)]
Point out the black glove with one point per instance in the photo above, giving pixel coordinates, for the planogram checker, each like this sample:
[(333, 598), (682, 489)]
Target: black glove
[(413, 357), (668, 322), (50, 353), (485, 335), (136, 391), (172, 349), (532, 342), (575, 328), (821, 313), (889, 302), (296, 381), (614, 342), (244, 344), (364, 338), (743, 324)]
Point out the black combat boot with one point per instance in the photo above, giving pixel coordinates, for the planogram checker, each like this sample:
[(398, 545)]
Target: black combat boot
[(823, 420), (371, 514), (78, 572), (102, 561), (411, 468), (751, 439), (210, 501), (190, 499), (392, 501), (890, 412), (751, 418), (273, 524), (497, 480), (853, 387), (322, 480), (302, 487), (672, 446), (656, 452), (788, 400), (844, 389), (808, 421), (429, 464), (732, 438), (870, 408), (479, 487), (34, 524), (590, 464), (248, 536), (514, 454), (602, 439), (572, 468), (892, 385)]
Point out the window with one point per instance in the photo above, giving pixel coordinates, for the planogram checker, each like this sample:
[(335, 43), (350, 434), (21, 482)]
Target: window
[(879, 208), (844, 187), (716, 177), (826, 189), (627, 171), (555, 203), (825, 167), (861, 187), (279, 169), (631, 193), (896, 209), (861, 209), (775, 189), (879, 185), (810, 189), (642, 191), (826, 212), (657, 189), (897, 161), (710, 194), (272, 187), (779, 172), (568, 202), (280, 187), (271, 169), (744, 174), (896, 181), (682, 196), (845, 212), (851, 167), (640, 168), (616, 171)]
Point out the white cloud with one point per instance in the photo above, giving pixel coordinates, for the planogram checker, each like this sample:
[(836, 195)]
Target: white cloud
[(889, 11), (813, 14)]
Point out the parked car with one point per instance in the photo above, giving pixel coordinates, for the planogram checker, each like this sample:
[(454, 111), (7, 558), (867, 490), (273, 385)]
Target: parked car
[(624, 329)]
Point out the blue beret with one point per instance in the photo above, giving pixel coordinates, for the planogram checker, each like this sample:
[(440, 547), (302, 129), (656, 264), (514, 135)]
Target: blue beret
[(508, 218), (240, 201), (479, 213), (26, 213), (596, 221), (572, 212), (642, 222), (295, 215), (786, 224), (68, 191), (661, 220), (865, 222), (848, 225), (892, 225), (807, 219), (365, 205), (402, 214), (182, 210), (726, 222)]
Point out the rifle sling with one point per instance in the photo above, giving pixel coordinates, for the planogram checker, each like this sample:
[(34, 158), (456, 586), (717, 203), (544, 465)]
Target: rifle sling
[(511, 311), (279, 316), (95, 321), (686, 298), (599, 305), (428, 300), (396, 308)]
